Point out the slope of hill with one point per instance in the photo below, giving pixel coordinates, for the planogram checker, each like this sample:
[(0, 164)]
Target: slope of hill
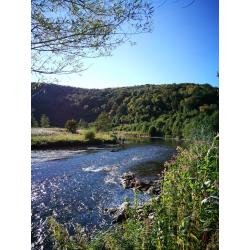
[(167, 106)]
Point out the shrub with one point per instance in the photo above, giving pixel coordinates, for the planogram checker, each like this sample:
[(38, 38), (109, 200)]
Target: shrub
[(44, 121), (113, 137), (34, 123), (71, 125), (90, 135)]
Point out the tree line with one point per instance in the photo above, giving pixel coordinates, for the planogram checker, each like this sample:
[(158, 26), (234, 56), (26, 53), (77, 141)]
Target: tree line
[(179, 110)]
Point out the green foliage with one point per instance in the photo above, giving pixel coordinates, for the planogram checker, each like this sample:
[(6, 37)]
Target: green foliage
[(114, 137), (185, 217), (44, 121), (34, 123), (167, 107), (103, 122), (91, 29), (188, 213), (90, 135), (62, 238), (82, 124), (71, 125)]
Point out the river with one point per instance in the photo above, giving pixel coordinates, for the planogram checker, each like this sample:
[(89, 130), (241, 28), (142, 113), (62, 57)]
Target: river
[(76, 185)]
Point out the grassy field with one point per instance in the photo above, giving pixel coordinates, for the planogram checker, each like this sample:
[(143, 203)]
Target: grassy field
[(59, 137)]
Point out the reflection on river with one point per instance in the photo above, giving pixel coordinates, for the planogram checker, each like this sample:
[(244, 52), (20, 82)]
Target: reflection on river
[(77, 185)]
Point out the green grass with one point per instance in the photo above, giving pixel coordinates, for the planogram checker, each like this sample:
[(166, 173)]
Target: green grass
[(185, 217), (59, 137), (130, 134)]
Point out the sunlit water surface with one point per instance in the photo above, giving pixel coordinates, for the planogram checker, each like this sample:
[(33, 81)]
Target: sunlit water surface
[(77, 185)]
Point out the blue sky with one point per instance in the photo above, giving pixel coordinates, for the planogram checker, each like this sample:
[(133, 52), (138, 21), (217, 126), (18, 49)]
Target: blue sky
[(183, 47)]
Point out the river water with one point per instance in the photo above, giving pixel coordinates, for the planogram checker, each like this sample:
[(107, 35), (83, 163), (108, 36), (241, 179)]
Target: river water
[(75, 186)]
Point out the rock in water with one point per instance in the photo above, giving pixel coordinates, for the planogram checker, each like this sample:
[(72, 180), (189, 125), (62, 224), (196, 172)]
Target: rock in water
[(128, 180), (120, 214)]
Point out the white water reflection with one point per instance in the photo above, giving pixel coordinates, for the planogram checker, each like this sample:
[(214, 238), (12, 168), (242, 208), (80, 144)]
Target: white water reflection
[(76, 186)]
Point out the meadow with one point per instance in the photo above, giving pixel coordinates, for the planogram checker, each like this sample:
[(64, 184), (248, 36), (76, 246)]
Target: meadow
[(60, 137)]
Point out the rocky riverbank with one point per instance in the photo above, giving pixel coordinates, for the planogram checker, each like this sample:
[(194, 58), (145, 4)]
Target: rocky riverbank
[(130, 180)]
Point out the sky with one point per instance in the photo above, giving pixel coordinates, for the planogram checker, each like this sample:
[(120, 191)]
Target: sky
[(183, 47)]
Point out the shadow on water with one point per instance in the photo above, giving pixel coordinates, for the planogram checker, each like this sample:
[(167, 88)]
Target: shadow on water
[(76, 186)]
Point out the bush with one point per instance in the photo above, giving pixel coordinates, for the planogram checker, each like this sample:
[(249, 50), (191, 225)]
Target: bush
[(71, 125), (34, 123), (90, 135), (113, 137), (44, 121)]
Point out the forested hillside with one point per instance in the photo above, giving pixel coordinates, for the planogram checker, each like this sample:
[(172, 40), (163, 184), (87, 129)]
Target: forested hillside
[(168, 109)]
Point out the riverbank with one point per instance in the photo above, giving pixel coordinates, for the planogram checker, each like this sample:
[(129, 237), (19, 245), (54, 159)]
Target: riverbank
[(56, 138)]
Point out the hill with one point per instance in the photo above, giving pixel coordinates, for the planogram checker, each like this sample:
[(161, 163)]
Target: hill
[(172, 109)]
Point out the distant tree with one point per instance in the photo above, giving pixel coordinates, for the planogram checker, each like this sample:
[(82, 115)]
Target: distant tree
[(34, 122), (44, 121), (71, 125), (103, 122), (82, 124)]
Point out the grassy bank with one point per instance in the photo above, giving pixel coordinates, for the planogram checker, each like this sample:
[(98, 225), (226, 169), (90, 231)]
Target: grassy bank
[(42, 138), (185, 216), (130, 134)]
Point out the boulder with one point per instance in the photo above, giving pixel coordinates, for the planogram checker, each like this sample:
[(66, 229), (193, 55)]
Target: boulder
[(144, 185), (120, 213), (128, 180)]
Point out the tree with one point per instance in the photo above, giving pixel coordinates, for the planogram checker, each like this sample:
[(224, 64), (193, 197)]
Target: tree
[(103, 122), (34, 123), (44, 121), (71, 125), (65, 31)]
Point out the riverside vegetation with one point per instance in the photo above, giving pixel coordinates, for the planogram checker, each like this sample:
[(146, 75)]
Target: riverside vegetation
[(184, 216)]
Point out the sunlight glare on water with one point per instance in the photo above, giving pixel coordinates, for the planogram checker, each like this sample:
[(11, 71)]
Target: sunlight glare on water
[(76, 186)]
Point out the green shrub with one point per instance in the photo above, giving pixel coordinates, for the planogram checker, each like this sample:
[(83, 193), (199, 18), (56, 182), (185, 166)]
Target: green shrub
[(71, 125), (44, 121), (90, 135), (34, 123), (113, 137)]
